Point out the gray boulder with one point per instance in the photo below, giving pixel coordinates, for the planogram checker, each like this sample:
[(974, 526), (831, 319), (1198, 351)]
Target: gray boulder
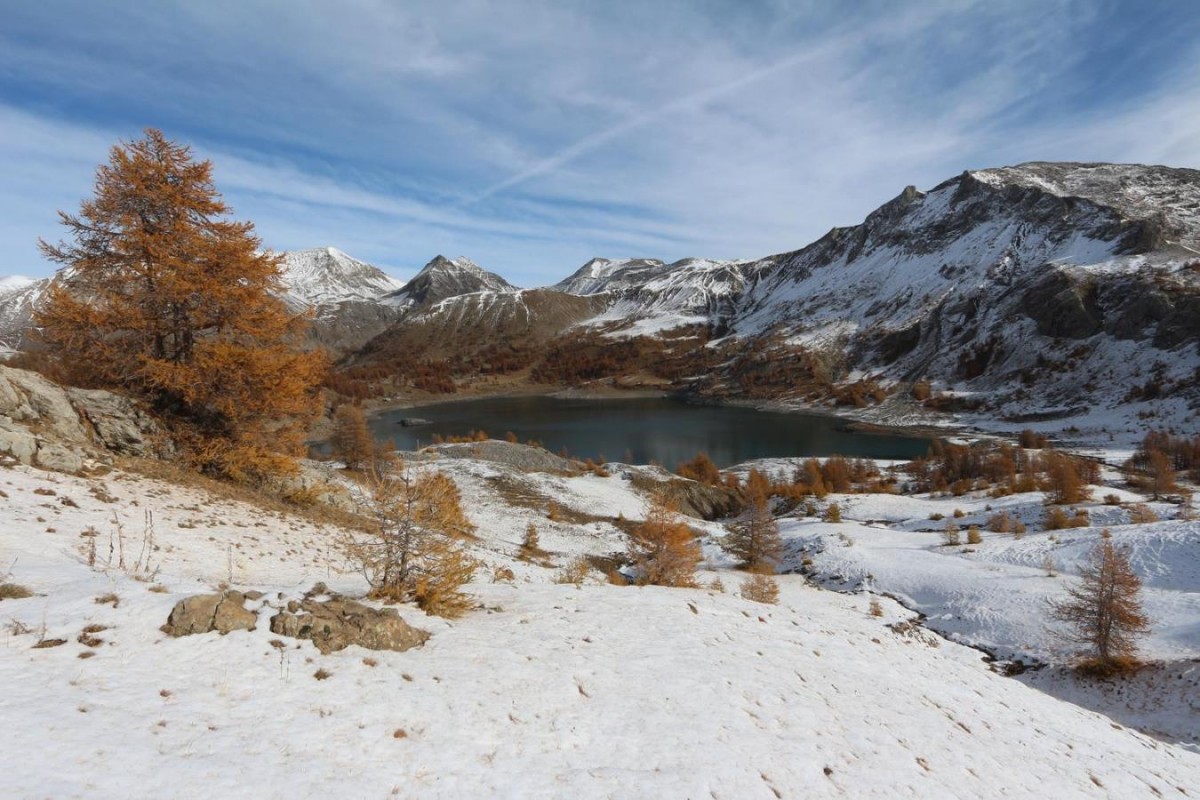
[(338, 623), (45, 425), (202, 613), (119, 424)]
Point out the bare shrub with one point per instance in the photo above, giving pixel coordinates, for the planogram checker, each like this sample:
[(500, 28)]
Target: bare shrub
[(14, 591), (414, 551), (1057, 519), (531, 548), (575, 571)]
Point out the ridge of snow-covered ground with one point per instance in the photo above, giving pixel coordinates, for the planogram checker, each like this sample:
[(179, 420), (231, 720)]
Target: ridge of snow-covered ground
[(549, 690)]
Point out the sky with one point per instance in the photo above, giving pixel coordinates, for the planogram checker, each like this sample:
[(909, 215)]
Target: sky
[(533, 136)]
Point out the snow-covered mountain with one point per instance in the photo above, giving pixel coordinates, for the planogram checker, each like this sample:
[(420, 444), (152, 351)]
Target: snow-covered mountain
[(443, 278), (1070, 277), (1082, 280), (327, 276), (602, 275), (19, 297), (649, 296)]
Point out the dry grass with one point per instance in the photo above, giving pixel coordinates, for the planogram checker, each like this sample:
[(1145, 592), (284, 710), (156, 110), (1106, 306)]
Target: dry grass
[(576, 571), (261, 498), (14, 591), (1099, 668)]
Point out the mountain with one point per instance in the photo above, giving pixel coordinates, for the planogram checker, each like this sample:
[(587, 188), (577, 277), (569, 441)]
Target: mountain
[(602, 275), (443, 278), (19, 297), (327, 276), (1036, 291), (344, 294), (1073, 282), (648, 296)]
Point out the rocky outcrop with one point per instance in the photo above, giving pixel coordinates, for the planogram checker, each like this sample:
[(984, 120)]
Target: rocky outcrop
[(203, 613), (340, 622), (45, 425)]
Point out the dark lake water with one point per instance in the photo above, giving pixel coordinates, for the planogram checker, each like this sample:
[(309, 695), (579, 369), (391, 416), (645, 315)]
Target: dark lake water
[(638, 430)]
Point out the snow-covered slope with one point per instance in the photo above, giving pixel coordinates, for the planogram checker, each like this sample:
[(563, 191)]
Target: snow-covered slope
[(610, 275), (327, 276), (19, 298), (650, 297), (12, 283), (443, 278), (546, 690), (1079, 279)]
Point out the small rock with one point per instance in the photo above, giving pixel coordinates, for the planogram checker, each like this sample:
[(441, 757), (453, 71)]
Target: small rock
[(202, 613)]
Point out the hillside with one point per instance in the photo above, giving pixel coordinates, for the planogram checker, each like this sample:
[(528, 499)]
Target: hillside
[(566, 681), (589, 690)]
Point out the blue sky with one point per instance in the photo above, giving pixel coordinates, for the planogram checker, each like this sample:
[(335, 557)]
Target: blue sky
[(533, 136)]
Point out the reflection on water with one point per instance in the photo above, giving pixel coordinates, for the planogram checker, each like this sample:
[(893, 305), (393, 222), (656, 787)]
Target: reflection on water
[(638, 430)]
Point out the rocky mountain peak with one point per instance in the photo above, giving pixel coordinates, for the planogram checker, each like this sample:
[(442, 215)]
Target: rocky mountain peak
[(327, 276), (443, 278)]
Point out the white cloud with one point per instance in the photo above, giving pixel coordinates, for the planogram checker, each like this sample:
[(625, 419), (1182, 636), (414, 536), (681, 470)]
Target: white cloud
[(533, 136)]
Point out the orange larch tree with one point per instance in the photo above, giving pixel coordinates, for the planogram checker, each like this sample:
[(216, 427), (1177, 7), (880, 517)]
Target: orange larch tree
[(167, 298)]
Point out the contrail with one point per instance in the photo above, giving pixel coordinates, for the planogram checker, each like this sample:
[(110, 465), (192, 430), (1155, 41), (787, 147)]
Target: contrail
[(589, 143)]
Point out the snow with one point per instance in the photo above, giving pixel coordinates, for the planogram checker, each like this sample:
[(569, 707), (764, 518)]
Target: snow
[(548, 690), (327, 276), (13, 283)]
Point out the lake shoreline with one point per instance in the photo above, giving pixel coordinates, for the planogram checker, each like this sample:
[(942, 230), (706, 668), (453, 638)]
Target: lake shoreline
[(387, 419), (848, 419)]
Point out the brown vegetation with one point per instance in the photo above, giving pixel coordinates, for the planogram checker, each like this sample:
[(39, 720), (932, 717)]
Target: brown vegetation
[(351, 442), (1105, 610), (173, 302), (755, 540), (663, 549), (414, 550)]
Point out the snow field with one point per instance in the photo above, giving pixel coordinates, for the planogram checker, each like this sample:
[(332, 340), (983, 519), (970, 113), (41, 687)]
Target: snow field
[(548, 690)]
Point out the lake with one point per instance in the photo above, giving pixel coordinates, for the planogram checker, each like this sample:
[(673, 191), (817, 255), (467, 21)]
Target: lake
[(638, 430)]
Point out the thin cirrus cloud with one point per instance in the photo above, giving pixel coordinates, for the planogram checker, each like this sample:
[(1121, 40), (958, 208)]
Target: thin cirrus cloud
[(532, 136)]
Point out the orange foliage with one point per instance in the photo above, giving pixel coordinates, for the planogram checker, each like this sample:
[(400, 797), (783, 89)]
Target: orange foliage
[(175, 303)]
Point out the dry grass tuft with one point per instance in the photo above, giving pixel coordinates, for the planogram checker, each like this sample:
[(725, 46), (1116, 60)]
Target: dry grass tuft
[(14, 591)]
